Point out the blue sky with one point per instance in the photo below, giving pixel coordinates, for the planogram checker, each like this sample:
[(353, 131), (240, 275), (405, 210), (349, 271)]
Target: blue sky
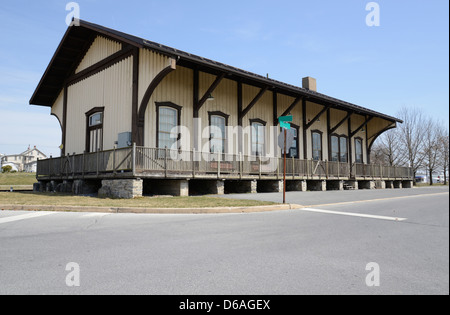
[(402, 62)]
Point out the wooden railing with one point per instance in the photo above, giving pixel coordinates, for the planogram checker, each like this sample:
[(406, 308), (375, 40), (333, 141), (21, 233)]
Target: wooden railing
[(97, 163), (141, 161)]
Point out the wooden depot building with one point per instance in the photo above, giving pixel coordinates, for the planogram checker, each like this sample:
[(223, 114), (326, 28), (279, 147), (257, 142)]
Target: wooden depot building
[(137, 117)]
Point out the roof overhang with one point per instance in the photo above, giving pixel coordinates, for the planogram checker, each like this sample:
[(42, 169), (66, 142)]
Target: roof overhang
[(78, 39)]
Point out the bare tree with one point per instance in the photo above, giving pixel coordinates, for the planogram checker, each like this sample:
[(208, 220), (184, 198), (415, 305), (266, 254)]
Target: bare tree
[(411, 138), (376, 153), (444, 157), (433, 132), (389, 149)]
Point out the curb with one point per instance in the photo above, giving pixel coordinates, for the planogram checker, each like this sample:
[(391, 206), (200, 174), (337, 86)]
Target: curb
[(222, 210)]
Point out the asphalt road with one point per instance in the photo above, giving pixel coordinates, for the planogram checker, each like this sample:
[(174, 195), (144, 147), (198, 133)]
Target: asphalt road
[(323, 249)]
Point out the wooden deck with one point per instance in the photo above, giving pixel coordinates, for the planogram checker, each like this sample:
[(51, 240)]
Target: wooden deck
[(141, 162)]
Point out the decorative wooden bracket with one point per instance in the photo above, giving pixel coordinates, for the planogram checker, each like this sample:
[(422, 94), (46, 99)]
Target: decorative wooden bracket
[(151, 88), (317, 117), (210, 90), (253, 102), (293, 105), (361, 127), (332, 130)]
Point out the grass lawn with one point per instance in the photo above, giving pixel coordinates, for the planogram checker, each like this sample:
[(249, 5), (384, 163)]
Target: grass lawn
[(19, 179), (50, 199)]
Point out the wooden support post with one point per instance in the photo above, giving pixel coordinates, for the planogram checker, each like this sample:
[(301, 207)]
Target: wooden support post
[(259, 167), (83, 163), (218, 164), (193, 162), (133, 159), (241, 164), (165, 161), (284, 173), (293, 168), (96, 159), (114, 160)]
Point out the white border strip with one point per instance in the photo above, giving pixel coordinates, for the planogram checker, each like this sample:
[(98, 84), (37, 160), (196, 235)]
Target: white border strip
[(368, 216), (24, 217)]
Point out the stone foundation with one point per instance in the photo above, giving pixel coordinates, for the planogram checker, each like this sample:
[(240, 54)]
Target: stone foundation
[(407, 184), (241, 187), (133, 188), (366, 184), (121, 188), (335, 185), (380, 184), (398, 184), (389, 184), (270, 186), (317, 185), (177, 188), (296, 185), (351, 184), (209, 187)]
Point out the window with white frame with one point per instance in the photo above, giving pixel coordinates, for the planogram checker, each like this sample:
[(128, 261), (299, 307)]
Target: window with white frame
[(94, 131), (168, 116), (339, 149), (359, 151), (258, 136), (334, 149), (343, 149), (294, 150), (218, 136), (316, 145)]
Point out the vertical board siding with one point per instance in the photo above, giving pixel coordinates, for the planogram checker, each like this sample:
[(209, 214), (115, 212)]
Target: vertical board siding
[(58, 107), (283, 103), (177, 88), (358, 120), (312, 110), (336, 117), (374, 127), (150, 64), (263, 110), (100, 49), (112, 89), (118, 88), (225, 101)]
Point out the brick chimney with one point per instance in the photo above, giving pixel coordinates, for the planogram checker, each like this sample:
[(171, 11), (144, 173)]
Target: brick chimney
[(309, 83)]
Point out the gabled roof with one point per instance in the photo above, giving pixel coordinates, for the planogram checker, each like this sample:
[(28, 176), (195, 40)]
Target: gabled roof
[(30, 150), (78, 39)]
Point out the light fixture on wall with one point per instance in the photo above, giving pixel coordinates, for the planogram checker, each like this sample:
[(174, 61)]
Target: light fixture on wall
[(210, 98)]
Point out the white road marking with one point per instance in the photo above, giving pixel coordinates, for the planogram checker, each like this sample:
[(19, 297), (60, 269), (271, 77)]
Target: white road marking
[(24, 216), (375, 200), (369, 216), (94, 215)]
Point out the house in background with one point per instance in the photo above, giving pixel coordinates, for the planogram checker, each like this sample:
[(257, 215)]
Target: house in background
[(118, 99), (1, 160), (25, 161), (424, 177)]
